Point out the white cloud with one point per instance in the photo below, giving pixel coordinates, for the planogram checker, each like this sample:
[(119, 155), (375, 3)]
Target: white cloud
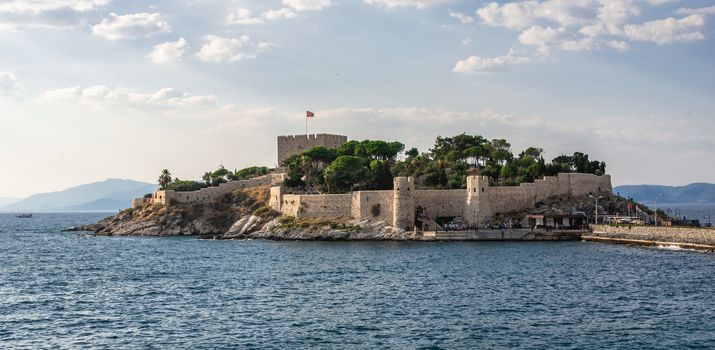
[(462, 17), (170, 51), (589, 24), (277, 14), (103, 96), (578, 45), (660, 2), (667, 30), (466, 42), (476, 64), (308, 5), (618, 45), (9, 85), (38, 6), (593, 30), (219, 49), (520, 15), (47, 13), (565, 12), (62, 93), (542, 37), (420, 4), (613, 13), (263, 46), (243, 16), (510, 15), (131, 26), (696, 11)]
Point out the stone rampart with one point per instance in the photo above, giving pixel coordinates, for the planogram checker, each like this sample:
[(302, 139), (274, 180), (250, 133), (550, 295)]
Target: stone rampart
[(441, 203), (168, 197), (476, 204), (363, 203), (294, 144), (289, 205), (325, 205)]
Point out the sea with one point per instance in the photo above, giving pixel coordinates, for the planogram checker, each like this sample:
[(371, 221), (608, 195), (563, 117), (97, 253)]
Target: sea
[(62, 290)]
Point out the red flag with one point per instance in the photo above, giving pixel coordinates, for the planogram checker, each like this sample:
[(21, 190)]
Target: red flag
[(309, 114)]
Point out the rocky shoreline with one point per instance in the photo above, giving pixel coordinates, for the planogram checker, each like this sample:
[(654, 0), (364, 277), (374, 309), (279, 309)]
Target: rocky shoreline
[(255, 227), (242, 214)]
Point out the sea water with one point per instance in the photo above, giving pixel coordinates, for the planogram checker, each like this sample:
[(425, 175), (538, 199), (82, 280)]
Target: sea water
[(68, 290)]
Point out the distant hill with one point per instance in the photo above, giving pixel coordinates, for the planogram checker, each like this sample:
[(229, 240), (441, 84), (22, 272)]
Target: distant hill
[(693, 193), (7, 200), (108, 195)]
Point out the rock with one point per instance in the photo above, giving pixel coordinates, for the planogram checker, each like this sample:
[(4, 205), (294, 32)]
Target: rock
[(243, 226), (83, 228), (349, 230)]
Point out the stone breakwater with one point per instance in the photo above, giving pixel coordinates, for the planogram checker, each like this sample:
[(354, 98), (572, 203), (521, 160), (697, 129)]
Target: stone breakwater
[(686, 237)]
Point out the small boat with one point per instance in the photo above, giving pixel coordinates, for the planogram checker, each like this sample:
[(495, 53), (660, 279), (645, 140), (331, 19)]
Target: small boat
[(24, 216)]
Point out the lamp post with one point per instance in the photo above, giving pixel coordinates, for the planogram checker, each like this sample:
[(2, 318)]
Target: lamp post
[(655, 212), (597, 198)]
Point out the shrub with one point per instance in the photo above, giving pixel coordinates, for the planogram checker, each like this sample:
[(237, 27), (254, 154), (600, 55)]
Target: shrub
[(186, 185), (284, 220)]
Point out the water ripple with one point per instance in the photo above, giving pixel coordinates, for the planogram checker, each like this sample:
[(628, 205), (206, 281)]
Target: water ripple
[(60, 290)]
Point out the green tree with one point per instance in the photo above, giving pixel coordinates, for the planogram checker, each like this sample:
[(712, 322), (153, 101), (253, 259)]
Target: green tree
[(380, 176), (412, 153), (164, 179), (345, 173)]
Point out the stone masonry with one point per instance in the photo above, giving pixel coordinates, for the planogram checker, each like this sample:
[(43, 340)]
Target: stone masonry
[(294, 144), (476, 204)]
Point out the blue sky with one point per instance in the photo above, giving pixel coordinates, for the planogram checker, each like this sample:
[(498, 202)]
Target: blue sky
[(93, 89)]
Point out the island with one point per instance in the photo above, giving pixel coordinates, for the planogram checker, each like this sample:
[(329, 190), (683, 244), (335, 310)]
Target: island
[(328, 188)]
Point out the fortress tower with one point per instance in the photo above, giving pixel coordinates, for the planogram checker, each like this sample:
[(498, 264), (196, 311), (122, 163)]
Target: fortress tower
[(294, 144), (477, 204), (403, 203)]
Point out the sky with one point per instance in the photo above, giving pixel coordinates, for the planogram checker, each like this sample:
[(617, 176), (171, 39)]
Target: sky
[(96, 89)]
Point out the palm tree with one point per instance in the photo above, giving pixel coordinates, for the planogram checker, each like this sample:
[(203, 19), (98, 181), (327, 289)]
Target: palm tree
[(164, 179)]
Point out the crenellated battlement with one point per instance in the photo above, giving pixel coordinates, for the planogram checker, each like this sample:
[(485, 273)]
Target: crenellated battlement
[(289, 145)]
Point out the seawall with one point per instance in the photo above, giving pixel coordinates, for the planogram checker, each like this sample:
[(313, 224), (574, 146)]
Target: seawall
[(504, 235), (684, 237)]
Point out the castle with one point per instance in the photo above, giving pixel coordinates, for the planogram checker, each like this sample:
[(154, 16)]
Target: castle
[(476, 204)]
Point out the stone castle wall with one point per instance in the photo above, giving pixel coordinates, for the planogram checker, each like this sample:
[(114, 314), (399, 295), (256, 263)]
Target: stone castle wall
[(364, 201), (327, 205), (441, 203), (294, 144), (476, 204), (205, 194)]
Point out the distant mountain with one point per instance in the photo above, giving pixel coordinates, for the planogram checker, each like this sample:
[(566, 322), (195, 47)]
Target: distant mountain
[(104, 204), (7, 200), (108, 195), (693, 193)]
